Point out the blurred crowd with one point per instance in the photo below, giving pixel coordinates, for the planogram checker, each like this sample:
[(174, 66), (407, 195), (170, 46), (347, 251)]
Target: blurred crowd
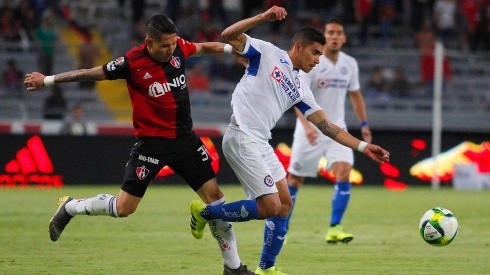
[(461, 25)]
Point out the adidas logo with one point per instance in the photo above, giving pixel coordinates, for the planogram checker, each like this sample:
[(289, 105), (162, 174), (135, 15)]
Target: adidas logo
[(31, 166), (243, 212), (147, 75)]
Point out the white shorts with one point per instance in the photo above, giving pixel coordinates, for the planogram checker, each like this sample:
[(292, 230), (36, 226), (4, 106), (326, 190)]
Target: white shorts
[(254, 162), (305, 157)]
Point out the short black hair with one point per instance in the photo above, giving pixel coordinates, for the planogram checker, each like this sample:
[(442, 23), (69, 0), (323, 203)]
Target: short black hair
[(334, 21), (308, 35), (159, 24)]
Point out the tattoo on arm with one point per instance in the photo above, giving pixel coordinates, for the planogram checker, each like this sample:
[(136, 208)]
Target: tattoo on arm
[(92, 74), (328, 129)]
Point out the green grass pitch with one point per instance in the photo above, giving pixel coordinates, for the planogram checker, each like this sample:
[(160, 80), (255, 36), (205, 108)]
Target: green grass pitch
[(156, 239)]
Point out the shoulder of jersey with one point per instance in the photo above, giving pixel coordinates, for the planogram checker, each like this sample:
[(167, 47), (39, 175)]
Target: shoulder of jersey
[(136, 52)]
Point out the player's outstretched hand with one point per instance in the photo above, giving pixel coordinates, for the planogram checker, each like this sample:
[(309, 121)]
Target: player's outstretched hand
[(34, 81), (275, 13), (377, 153)]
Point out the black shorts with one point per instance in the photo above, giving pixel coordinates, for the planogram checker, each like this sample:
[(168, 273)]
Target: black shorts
[(186, 156)]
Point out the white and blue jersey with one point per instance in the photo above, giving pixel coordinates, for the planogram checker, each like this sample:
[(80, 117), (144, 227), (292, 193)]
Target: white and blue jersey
[(330, 82), (269, 87)]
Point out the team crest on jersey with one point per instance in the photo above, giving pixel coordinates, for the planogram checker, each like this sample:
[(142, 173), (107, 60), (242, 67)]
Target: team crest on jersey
[(175, 62), (344, 70), (277, 74), (269, 181), (298, 83), (142, 172)]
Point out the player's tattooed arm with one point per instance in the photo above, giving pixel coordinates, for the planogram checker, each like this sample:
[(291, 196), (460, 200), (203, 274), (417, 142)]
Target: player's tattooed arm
[(328, 128), (35, 81), (93, 74)]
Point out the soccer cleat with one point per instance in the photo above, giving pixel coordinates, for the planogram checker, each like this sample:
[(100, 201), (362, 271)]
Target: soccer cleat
[(241, 270), (60, 219), (269, 271), (336, 234), (197, 223)]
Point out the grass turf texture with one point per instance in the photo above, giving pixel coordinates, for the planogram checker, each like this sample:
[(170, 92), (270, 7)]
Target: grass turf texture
[(156, 239)]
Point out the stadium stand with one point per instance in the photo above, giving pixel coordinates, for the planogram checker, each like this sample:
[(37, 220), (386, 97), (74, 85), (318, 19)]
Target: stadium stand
[(465, 100)]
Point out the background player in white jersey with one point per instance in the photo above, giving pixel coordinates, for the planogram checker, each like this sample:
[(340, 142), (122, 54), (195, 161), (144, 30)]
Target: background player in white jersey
[(330, 81), (269, 87)]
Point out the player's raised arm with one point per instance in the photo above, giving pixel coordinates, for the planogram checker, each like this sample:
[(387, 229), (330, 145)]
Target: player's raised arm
[(234, 34), (321, 121), (35, 81)]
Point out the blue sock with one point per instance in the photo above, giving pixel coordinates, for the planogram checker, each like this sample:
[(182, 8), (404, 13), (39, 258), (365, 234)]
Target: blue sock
[(274, 233), (238, 211), (340, 199), (293, 191)]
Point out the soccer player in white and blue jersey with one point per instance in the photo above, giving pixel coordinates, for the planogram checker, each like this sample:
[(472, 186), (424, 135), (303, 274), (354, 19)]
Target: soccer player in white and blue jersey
[(269, 87), (331, 81)]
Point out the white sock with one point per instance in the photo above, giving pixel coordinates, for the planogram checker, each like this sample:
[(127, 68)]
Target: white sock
[(102, 204), (225, 235)]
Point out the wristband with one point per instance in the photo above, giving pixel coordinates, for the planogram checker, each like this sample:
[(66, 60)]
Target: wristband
[(362, 146), (48, 80), (227, 48), (364, 123)]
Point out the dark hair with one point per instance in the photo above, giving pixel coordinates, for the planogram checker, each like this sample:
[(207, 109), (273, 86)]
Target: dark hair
[(334, 21), (159, 24), (308, 35)]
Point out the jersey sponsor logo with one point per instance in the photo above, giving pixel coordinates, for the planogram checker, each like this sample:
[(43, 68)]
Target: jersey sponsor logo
[(148, 159), (286, 84), (277, 74), (142, 172), (147, 75), (235, 214), (269, 234), (111, 66), (175, 62), (324, 83), (159, 89), (214, 230), (269, 181)]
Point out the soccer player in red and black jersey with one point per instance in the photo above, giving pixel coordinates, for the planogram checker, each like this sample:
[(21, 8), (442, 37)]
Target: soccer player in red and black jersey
[(155, 77)]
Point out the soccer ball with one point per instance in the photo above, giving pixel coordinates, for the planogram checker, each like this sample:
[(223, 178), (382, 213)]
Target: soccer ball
[(438, 226)]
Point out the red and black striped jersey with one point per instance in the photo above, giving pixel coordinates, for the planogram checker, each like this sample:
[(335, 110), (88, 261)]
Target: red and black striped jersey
[(158, 91)]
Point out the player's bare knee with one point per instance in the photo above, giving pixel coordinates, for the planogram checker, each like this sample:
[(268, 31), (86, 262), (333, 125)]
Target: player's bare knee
[(286, 205), (269, 207)]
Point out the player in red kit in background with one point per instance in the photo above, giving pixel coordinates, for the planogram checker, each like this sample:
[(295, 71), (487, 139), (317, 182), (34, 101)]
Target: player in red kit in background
[(155, 77)]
